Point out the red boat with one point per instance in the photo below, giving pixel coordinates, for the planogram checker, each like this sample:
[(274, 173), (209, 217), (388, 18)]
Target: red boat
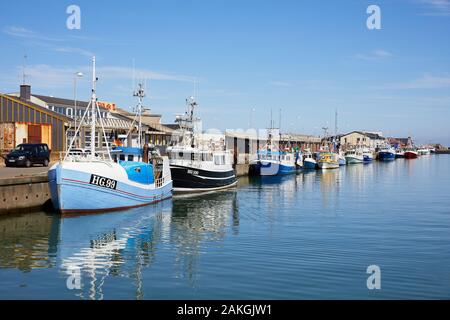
[(411, 154)]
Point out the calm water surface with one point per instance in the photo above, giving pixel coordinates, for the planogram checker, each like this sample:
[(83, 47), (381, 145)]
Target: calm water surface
[(304, 236)]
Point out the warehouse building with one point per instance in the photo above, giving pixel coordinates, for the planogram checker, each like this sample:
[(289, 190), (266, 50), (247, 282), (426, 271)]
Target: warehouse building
[(23, 121)]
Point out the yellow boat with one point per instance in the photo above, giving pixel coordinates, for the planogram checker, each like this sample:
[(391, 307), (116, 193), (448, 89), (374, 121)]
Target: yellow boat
[(328, 160)]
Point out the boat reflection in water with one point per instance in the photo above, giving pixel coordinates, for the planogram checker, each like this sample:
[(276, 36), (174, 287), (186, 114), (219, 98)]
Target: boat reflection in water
[(126, 244)]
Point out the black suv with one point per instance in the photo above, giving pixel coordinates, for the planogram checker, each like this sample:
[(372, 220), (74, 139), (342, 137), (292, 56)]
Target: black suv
[(28, 154)]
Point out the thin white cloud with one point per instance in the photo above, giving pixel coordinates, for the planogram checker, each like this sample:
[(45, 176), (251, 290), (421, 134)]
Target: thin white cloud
[(437, 7), (45, 76), (115, 72), (374, 55), (427, 81), (34, 39), (74, 50), (280, 84), (23, 33)]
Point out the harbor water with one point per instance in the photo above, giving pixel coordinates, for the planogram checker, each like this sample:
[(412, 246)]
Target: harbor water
[(304, 236)]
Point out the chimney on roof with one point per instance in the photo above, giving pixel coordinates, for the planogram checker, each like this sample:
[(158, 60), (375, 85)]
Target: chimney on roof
[(25, 92)]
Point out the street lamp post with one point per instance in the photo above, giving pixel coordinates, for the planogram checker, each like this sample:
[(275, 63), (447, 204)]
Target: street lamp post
[(76, 76)]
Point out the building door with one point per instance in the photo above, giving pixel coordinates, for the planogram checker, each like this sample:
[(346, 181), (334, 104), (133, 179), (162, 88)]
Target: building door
[(34, 133), (7, 136)]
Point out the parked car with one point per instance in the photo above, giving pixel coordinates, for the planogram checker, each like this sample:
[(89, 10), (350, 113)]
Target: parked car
[(28, 154)]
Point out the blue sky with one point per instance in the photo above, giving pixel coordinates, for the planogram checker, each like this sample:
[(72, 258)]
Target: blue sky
[(308, 58)]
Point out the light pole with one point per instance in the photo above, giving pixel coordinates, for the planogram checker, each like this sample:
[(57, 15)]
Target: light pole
[(75, 78)]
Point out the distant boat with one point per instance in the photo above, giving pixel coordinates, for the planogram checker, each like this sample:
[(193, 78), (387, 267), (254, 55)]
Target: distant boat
[(367, 155), (272, 163), (399, 154), (386, 153), (411, 154), (309, 163), (354, 156), (328, 160), (424, 152)]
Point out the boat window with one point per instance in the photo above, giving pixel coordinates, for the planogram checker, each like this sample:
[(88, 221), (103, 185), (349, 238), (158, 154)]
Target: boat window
[(115, 158), (130, 157), (122, 157), (180, 154)]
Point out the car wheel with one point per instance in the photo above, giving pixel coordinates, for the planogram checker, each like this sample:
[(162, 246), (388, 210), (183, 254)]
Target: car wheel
[(46, 163), (28, 163)]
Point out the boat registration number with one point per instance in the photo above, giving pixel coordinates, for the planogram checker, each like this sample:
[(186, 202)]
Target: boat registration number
[(193, 172), (103, 182)]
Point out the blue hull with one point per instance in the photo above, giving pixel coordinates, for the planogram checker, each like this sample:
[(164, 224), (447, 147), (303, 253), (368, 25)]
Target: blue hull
[(71, 192), (386, 156), (309, 165), (368, 159), (271, 169)]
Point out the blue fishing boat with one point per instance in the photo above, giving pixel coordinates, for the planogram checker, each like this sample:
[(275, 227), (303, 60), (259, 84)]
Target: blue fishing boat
[(367, 155), (271, 163), (309, 163), (120, 179), (386, 153)]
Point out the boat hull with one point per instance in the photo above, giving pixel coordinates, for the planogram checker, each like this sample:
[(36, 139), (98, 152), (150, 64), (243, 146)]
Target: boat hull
[(187, 179), (328, 165), (411, 155), (309, 165), (386, 156), (354, 160), (72, 191), (272, 168)]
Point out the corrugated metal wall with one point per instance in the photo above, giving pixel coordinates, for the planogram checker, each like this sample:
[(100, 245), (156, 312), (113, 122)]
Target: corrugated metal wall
[(12, 111)]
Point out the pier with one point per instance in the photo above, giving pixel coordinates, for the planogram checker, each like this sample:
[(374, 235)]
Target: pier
[(23, 194)]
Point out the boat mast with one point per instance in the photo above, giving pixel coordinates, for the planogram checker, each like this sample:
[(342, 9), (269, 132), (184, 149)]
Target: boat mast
[(93, 107), (192, 105), (140, 94)]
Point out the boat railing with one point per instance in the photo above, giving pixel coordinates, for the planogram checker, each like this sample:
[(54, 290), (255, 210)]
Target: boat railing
[(75, 156), (160, 182)]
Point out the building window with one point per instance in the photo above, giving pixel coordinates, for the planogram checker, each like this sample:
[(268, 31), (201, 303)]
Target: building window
[(69, 112)]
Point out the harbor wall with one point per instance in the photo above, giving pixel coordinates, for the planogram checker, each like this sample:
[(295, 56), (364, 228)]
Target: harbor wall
[(23, 193)]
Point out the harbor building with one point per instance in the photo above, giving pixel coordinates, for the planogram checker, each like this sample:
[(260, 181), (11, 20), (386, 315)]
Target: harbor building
[(400, 143), (361, 139), (22, 120)]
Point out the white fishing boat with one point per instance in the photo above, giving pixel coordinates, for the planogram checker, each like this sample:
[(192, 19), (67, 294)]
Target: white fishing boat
[(97, 182), (423, 151), (354, 156)]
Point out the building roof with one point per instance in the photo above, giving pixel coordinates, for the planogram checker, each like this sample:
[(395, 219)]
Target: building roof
[(60, 101), (370, 135), (36, 107)]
